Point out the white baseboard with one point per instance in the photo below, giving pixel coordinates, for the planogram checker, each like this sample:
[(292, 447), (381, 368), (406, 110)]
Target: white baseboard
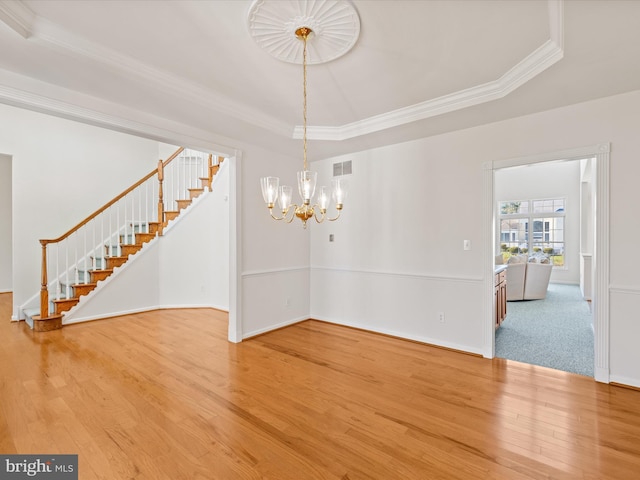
[(137, 310), (286, 323), (631, 382), (416, 338)]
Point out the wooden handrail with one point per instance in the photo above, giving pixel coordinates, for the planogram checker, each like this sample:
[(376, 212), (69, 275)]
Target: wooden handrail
[(45, 242)]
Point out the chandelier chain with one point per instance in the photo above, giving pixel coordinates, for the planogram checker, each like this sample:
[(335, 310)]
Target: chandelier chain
[(304, 95), (272, 191)]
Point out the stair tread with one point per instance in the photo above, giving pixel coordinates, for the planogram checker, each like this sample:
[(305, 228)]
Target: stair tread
[(50, 317), (65, 299), (73, 284)]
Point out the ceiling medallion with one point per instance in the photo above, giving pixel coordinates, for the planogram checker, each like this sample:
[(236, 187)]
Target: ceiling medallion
[(335, 25)]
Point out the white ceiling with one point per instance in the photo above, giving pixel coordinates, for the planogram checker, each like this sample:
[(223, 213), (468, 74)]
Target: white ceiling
[(419, 68)]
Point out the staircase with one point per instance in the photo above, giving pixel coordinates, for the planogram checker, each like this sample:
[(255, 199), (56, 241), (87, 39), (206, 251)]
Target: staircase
[(123, 226)]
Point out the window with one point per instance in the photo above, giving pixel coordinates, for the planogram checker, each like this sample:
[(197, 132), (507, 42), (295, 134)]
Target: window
[(533, 227)]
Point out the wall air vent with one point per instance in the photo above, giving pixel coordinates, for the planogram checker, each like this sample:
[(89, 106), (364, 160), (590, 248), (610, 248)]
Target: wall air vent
[(342, 168)]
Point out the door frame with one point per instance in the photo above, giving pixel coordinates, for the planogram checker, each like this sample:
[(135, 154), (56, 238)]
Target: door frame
[(600, 265)]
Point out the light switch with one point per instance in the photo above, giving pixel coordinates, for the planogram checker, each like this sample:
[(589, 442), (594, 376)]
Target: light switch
[(467, 244)]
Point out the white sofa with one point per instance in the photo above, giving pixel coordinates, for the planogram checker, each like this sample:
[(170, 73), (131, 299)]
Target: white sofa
[(527, 280)]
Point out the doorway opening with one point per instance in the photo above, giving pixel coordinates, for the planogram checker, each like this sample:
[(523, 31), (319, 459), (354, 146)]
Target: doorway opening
[(581, 249), (6, 235), (541, 243)]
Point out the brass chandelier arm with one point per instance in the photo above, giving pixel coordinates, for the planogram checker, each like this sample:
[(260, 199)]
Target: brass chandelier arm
[(336, 217), (323, 214), (291, 208)]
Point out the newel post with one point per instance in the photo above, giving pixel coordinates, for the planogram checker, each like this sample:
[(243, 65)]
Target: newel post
[(44, 292), (209, 170), (160, 197)]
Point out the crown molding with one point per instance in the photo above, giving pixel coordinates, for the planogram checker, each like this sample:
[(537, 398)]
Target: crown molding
[(149, 129), (532, 65), (22, 20), (55, 37), (17, 16)]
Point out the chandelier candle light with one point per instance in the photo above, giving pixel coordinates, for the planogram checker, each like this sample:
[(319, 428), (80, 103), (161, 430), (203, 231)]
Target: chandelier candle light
[(272, 191)]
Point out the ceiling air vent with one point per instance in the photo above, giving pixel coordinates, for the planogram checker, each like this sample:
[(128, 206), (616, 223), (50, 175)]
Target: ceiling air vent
[(342, 168)]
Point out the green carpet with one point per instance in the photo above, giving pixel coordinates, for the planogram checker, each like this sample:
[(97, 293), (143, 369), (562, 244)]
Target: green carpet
[(555, 332)]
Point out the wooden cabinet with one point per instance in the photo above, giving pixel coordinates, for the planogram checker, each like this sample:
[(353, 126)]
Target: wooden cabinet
[(500, 295)]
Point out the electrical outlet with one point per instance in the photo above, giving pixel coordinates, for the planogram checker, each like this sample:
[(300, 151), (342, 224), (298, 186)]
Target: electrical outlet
[(441, 317)]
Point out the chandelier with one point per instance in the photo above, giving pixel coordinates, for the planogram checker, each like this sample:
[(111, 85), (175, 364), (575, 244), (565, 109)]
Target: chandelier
[(272, 191)]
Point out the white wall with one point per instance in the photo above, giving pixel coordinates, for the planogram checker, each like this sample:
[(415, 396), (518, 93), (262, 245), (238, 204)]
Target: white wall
[(398, 258), (275, 255), (188, 267), (6, 268), (549, 180), (194, 255)]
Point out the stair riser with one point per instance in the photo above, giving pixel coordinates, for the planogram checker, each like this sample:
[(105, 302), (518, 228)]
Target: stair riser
[(60, 306), (114, 262), (144, 237), (182, 204), (168, 216), (195, 192), (80, 290), (127, 250), (77, 289), (154, 227), (99, 275)]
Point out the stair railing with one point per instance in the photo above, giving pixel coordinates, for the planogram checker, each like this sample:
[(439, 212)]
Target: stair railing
[(72, 257)]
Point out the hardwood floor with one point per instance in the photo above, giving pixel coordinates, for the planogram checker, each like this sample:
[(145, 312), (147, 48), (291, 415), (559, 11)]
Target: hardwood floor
[(163, 395)]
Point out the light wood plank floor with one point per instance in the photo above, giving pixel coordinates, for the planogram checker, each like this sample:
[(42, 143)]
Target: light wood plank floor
[(163, 395)]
